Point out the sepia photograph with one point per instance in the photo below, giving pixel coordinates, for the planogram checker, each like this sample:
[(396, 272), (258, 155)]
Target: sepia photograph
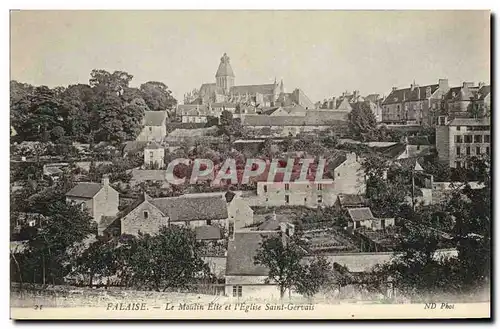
[(250, 164)]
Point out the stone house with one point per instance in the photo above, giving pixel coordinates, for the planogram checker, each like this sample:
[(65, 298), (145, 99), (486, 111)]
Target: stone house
[(346, 175), (154, 156), (417, 104), (239, 212), (345, 201), (194, 113), (363, 217), (460, 138), (148, 214), (155, 128), (244, 278), (463, 101), (288, 125), (100, 199)]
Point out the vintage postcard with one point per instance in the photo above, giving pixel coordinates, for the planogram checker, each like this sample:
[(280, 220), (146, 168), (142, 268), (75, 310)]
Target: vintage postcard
[(250, 164)]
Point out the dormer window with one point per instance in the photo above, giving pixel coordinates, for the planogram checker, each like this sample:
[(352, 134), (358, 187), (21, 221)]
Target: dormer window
[(146, 214)]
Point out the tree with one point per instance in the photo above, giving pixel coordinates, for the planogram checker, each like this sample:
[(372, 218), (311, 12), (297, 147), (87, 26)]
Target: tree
[(282, 259), (362, 122), (99, 259), (115, 82), (157, 96), (170, 259), (313, 276), (47, 254)]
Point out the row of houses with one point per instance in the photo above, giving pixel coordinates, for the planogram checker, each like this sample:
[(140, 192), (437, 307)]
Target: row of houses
[(424, 104)]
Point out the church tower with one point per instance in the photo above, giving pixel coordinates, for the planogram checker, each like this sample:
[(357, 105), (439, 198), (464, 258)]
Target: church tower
[(224, 78)]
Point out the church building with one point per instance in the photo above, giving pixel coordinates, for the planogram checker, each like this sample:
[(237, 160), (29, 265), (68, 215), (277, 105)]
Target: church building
[(264, 95)]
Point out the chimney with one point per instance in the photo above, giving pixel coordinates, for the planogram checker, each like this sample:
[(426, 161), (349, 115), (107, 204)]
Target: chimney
[(443, 85), (394, 88), (229, 196), (468, 85), (356, 93), (105, 180), (481, 85)]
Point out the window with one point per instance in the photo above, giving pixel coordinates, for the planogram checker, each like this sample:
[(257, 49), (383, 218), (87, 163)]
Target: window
[(146, 215), (486, 138), (209, 222), (458, 128), (231, 230), (457, 164), (320, 187), (320, 198), (487, 150), (478, 150), (151, 154), (237, 291), (467, 150), (287, 199), (459, 139), (458, 150), (478, 139), (468, 139), (265, 188), (150, 129), (338, 174), (305, 200), (267, 199), (287, 187)]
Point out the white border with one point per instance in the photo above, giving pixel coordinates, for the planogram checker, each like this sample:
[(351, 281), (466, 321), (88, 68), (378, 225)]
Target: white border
[(190, 4)]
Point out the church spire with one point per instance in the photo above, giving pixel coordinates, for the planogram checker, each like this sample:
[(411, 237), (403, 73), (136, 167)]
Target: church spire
[(224, 78)]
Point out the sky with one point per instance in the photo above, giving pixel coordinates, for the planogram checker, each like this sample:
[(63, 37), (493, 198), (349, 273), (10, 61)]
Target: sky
[(324, 53)]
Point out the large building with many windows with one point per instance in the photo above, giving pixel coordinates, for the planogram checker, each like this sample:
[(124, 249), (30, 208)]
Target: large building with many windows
[(461, 138)]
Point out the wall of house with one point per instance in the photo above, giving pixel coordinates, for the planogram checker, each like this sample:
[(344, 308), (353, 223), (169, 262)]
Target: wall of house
[(106, 202), (443, 143), (195, 119), (349, 177), (446, 144), (217, 265), (197, 223), (299, 193), (392, 112), (251, 287), (135, 221), (152, 133), (88, 204), (154, 156), (240, 213)]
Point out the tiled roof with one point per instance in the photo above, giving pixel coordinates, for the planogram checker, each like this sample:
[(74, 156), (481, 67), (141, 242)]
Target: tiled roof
[(241, 252), (312, 118), (225, 68), (208, 232), (394, 151), (134, 146), (269, 225), (52, 171), (372, 98), (336, 160), (347, 200), (154, 118), (470, 122), (359, 214), (192, 208), (418, 140), (85, 190), (224, 104), (153, 146), (265, 89), (406, 94), (484, 91), (148, 175)]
